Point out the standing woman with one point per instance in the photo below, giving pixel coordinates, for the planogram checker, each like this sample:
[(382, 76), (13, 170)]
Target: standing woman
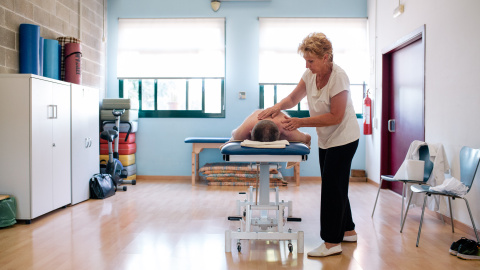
[(327, 88)]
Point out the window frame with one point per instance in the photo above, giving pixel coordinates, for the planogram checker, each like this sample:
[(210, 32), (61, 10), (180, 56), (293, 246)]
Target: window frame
[(296, 113), (155, 113)]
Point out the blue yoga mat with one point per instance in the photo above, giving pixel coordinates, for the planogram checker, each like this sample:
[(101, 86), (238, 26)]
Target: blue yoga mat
[(40, 55), (29, 48), (51, 59)]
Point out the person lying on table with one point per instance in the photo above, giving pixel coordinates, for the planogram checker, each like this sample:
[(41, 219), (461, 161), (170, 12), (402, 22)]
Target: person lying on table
[(268, 130)]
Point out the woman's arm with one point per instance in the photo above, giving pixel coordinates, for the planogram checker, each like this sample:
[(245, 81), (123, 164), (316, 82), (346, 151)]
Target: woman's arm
[(338, 104), (288, 102), (296, 136)]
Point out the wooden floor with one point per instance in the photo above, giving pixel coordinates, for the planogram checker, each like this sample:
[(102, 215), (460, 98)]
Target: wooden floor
[(172, 225)]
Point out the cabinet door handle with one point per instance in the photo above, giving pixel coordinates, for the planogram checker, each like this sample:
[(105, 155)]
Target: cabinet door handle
[(88, 142), (53, 144), (391, 125), (50, 113), (55, 111)]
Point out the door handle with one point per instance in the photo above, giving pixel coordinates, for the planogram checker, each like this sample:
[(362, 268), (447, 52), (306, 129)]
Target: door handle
[(51, 112), (88, 142), (391, 125)]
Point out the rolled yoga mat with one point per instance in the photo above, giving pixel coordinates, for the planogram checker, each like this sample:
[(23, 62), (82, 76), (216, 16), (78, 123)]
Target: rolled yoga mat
[(40, 55), (62, 41), (60, 60), (29, 48), (51, 59), (73, 63)]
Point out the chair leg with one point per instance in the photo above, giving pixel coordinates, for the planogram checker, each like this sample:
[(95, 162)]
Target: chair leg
[(403, 203), (378, 193), (471, 218), (406, 211), (451, 213), (421, 219), (437, 201)]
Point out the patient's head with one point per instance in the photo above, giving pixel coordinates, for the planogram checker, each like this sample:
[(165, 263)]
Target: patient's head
[(265, 131)]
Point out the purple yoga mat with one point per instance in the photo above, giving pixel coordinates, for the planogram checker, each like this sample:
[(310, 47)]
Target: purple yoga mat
[(73, 63)]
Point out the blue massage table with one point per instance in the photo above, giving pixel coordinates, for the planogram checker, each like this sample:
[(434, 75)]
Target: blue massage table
[(200, 143), (256, 221)]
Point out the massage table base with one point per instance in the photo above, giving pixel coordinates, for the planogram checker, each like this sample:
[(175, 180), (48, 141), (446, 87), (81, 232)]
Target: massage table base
[(269, 228), (250, 201), (298, 236)]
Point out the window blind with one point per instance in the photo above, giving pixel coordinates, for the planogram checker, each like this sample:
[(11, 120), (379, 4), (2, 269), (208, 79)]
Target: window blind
[(171, 48), (279, 61)]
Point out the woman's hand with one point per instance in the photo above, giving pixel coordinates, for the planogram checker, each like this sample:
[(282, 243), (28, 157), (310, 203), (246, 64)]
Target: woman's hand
[(291, 123), (269, 112)]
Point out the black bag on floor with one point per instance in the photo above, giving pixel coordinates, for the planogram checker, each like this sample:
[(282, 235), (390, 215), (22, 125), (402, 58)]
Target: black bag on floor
[(101, 186)]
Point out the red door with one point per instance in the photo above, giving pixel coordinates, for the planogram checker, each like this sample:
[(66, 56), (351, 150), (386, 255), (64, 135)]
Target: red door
[(403, 101)]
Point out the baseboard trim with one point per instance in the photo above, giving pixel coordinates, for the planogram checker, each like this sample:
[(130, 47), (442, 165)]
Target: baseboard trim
[(456, 224), (370, 181), (310, 178), (164, 177), (189, 178)]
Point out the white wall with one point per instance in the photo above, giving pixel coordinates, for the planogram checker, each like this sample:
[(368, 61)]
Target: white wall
[(452, 91)]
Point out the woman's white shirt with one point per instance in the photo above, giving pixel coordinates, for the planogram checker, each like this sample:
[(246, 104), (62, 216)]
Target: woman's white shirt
[(319, 103)]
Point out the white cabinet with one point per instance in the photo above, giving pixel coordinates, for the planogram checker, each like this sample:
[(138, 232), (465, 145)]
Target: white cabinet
[(35, 143), (85, 139)]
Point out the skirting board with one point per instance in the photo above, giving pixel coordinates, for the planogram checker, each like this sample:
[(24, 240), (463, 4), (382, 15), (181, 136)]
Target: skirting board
[(163, 177), (182, 178)]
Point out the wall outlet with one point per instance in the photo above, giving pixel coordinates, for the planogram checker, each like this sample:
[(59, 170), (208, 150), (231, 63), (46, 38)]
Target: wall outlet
[(242, 95)]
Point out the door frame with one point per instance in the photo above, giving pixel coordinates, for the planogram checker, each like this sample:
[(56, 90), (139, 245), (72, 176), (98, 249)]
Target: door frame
[(387, 90)]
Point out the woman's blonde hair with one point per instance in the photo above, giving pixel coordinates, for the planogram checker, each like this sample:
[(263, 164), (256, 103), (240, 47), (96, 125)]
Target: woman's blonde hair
[(316, 44)]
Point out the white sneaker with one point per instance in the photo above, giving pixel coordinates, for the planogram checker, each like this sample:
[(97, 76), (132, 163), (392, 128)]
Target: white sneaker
[(351, 238), (323, 251)]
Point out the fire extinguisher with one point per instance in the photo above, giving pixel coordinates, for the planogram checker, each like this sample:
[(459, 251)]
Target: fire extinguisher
[(367, 115)]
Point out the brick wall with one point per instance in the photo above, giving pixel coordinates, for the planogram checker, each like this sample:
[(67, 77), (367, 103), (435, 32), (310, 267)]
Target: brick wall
[(82, 19)]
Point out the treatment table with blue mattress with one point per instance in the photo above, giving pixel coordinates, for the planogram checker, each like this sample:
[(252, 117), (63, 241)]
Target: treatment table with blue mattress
[(200, 143), (262, 226)]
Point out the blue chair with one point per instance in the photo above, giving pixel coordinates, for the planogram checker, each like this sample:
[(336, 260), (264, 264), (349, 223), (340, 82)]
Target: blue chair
[(424, 155), (469, 160)]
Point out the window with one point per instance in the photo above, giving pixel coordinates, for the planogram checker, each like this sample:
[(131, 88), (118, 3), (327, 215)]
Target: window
[(176, 97), (281, 67), (173, 67)]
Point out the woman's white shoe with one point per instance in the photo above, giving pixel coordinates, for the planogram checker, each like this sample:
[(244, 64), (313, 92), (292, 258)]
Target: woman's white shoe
[(350, 238), (323, 251)]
